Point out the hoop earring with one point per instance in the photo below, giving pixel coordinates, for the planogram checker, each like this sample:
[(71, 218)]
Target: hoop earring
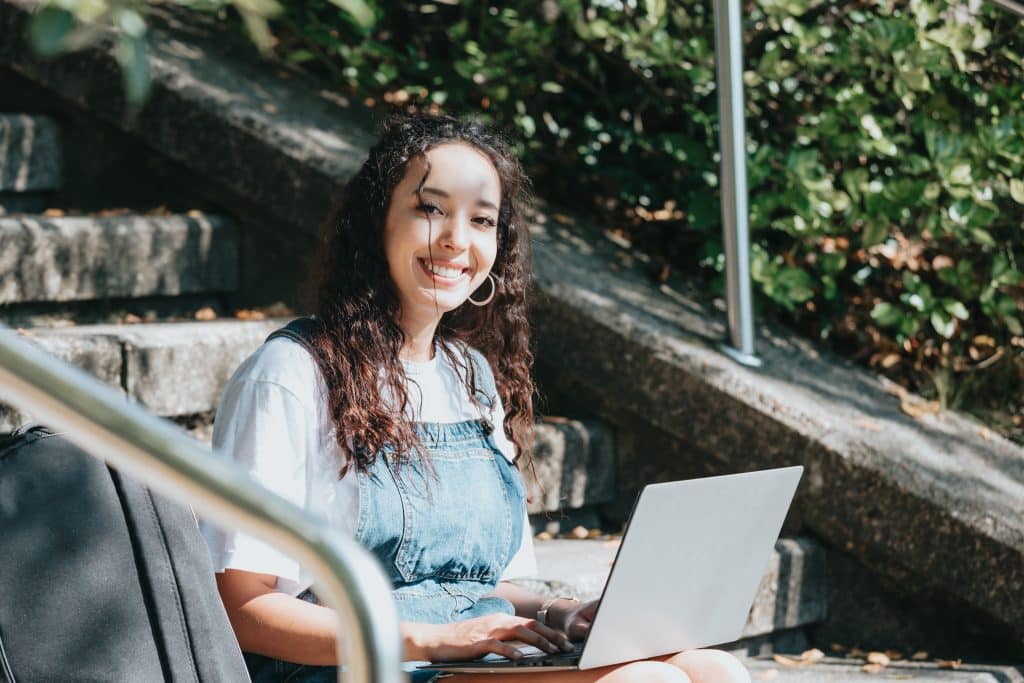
[(494, 288)]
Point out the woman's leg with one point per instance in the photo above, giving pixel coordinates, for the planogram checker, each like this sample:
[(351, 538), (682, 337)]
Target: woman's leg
[(635, 672), (710, 666)]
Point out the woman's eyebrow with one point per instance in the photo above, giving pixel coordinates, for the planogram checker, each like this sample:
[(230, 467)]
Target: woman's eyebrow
[(441, 193)]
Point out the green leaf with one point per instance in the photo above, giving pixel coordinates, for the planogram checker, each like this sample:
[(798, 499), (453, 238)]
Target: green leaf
[(49, 28), (874, 232), (132, 54), (358, 10), (886, 314), (943, 324), (1017, 190), (552, 87), (956, 309)]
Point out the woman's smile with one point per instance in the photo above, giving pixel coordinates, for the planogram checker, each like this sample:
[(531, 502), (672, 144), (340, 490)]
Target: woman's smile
[(445, 273)]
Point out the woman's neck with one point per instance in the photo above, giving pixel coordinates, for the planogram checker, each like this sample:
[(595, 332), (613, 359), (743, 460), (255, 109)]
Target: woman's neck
[(419, 338)]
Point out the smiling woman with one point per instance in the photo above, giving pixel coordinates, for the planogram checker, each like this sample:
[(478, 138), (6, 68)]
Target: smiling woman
[(402, 413)]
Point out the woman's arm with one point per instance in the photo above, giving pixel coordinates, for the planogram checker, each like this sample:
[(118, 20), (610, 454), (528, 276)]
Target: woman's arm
[(277, 625), (569, 616)]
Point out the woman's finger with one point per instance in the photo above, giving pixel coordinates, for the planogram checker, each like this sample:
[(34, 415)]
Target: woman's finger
[(551, 634), (499, 647), (532, 637)]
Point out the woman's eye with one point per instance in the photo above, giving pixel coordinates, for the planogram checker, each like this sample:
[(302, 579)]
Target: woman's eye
[(486, 220), (428, 208)]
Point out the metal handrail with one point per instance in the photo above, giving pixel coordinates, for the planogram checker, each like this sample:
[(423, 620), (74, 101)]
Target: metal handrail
[(157, 453)]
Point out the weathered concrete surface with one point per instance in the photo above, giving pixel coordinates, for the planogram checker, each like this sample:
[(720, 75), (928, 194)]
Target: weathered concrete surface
[(30, 158), (933, 504), (83, 257), (845, 671), (170, 368), (791, 594), (937, 502), (98, 354), (575, 465)]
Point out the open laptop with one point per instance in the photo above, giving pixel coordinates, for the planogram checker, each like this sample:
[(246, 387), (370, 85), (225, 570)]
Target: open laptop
[(684, 577)]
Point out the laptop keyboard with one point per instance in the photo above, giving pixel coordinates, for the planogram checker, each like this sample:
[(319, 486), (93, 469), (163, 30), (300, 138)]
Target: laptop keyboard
[(533, 656)]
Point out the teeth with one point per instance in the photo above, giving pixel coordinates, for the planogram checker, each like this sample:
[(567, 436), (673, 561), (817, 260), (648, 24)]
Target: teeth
[(450, 273)]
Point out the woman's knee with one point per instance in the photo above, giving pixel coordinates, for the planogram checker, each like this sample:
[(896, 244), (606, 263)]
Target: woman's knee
[(710, 666), (648, 672)]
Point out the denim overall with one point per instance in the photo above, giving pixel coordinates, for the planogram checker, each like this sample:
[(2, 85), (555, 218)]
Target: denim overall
[(444, 530)]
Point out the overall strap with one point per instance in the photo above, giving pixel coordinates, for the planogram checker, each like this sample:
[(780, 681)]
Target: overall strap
[(481, 378)]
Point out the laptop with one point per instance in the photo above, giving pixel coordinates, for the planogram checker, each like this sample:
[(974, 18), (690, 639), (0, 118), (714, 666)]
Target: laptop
[(685, 575)]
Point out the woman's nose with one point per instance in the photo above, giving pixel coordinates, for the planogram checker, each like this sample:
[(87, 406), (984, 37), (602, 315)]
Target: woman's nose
[(455, 234)]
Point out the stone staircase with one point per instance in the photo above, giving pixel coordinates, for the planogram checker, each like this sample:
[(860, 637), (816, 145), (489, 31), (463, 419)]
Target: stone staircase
[(116, 294)]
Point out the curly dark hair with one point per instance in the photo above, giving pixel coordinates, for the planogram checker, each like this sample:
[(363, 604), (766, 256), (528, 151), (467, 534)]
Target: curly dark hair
[(360, 339)]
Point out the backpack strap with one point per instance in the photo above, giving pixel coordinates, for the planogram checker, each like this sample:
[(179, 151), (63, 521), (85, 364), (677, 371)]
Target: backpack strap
[(301, 331)]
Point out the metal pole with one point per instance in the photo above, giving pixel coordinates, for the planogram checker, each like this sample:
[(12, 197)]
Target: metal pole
[(733, 178), (160, 455)]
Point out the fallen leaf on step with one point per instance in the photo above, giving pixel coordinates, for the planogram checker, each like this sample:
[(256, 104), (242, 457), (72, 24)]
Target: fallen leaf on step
[(206, 313), (790, 661), (594, 533), (249, 314), (894, 655), (919, 656), (868, 425), (544, 536), (949, 663), (872, 668), (767, 675), (579, 532), (53, 213), (812, 655), (879, 658), (132, 319)]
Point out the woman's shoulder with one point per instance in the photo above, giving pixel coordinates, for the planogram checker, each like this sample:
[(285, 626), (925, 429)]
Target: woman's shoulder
[(283, 362)]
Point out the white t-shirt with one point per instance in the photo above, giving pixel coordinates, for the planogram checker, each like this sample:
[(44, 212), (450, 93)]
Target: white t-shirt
[(273, 420)]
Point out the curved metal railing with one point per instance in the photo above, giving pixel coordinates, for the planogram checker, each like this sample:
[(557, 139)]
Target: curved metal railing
[(159, 454)]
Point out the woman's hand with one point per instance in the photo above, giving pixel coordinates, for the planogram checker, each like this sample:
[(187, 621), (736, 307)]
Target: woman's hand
[(576, 620), (501, 634)]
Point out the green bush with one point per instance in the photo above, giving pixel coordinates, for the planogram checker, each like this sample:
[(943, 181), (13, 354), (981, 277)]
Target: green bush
[(884, 140)]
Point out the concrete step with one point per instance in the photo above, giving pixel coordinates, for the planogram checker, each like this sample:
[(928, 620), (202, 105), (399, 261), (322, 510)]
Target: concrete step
[(30, 153), (830, 670), (574, 462), (791, 594), (170, 368), (79, 258)]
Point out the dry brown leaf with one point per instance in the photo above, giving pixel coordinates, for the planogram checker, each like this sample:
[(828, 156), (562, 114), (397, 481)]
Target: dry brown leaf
[(894, 655), (53, 213), (544, 536), (919, 656), (206, 313), (868, 425), (278, 309), (857, 652), (872, 668), (916, 407), (194, 213), (132, 319), (889, 360), (812, 655), (579, 532), (879, 658), (767, 675), (594, 533), (836, 647), (949, 663), (249, 314), (985, 434), (790, 661)]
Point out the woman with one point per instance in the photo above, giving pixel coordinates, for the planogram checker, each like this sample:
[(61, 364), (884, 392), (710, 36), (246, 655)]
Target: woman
[(400, 413)]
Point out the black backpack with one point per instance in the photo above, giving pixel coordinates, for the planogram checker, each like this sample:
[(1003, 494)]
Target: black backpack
[(101, 580)]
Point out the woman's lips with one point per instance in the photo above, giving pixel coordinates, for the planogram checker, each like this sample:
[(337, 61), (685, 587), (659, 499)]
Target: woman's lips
[(444, 274)]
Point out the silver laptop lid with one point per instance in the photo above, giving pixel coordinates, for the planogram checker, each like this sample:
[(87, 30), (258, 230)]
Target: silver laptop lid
[(689, 565)]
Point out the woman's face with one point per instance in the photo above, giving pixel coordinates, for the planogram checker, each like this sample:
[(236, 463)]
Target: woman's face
[(436, 264)]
